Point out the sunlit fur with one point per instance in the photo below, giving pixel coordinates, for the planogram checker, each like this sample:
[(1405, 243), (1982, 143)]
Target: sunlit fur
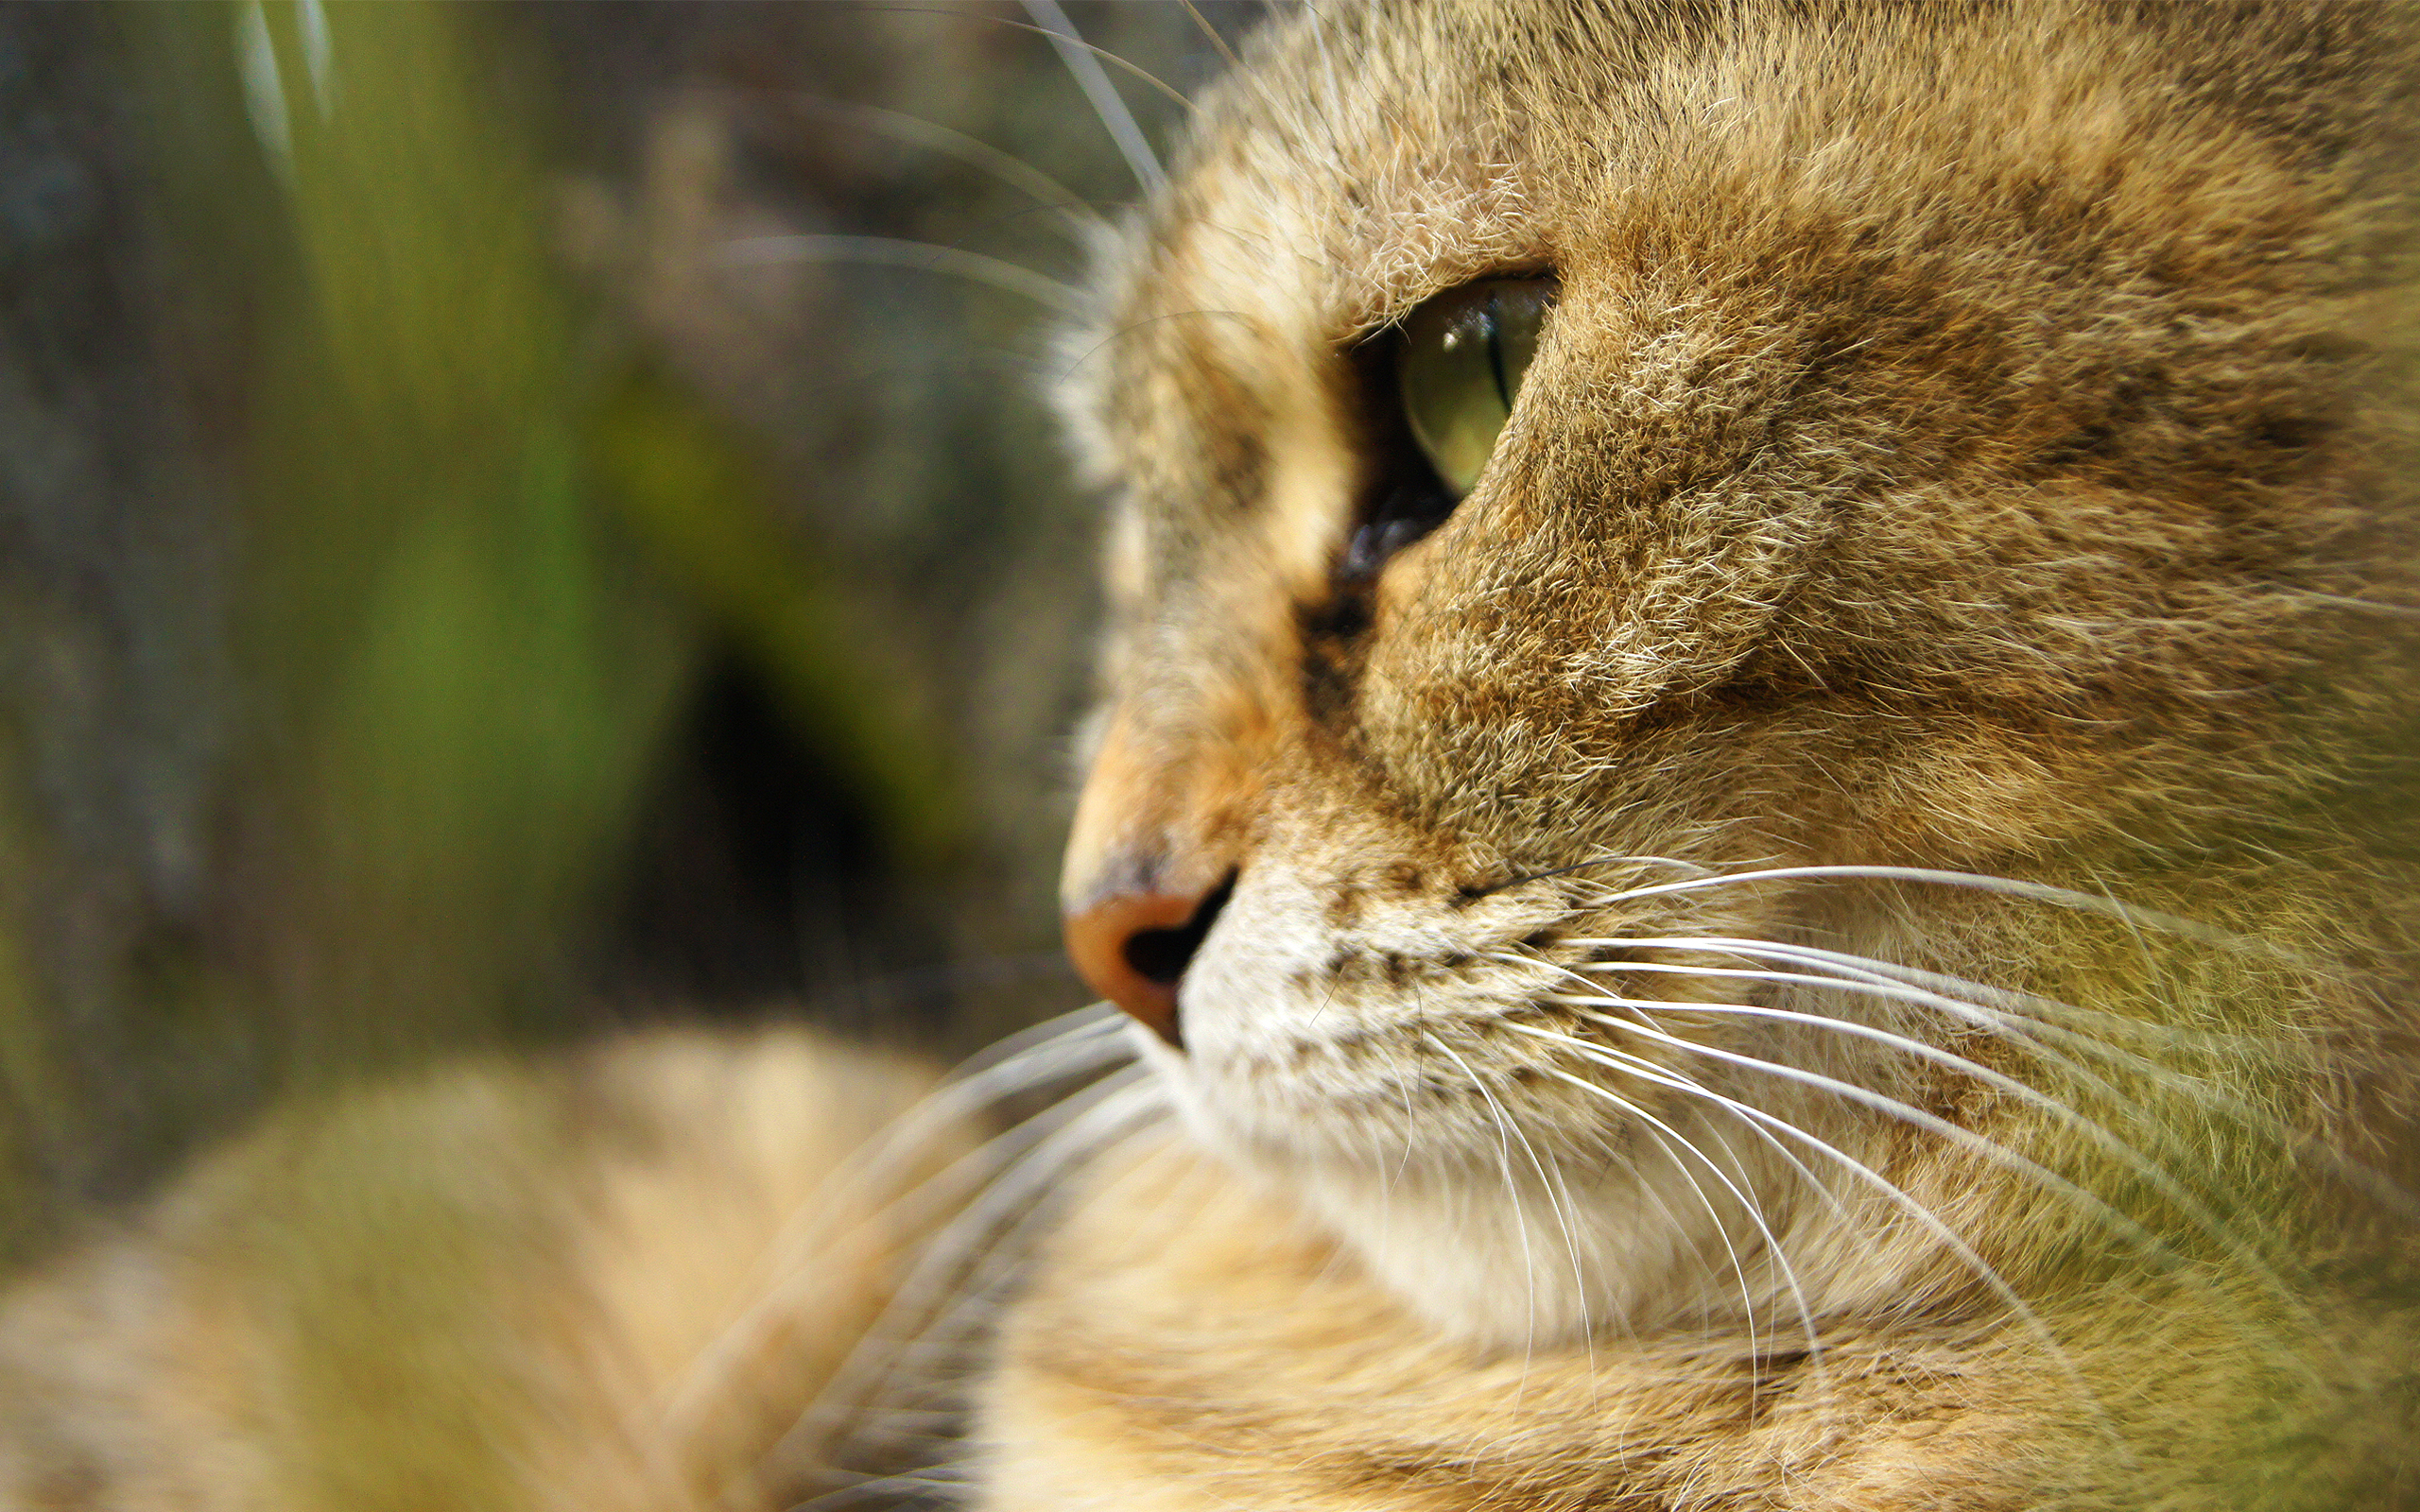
[(1839, 935), (615, 1280)]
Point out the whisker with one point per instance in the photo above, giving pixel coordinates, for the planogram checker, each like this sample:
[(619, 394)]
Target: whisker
[(1095, 1018), (1661, 1131), (1754, 1209), (1006, 167), (1504, 1159), (2025, 1030), (2008, 886), (1947, 1237), (2160, 1179), (948, 1189), (1084, 62), (2366, 605), (1081, 1125), (1094, 1114), (954, 1476), (1212, 32), (1906, 1112), (1666, 1136), (1068, 373), (1690, 867), (1071, 1044), (1637, 1006), (2198, 1211), (1935, 986), (1890, 978), (1574, 971), (2022, 1029), (891, 251)]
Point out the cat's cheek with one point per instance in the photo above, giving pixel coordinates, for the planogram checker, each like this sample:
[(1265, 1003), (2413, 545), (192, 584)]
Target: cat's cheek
[(1258, 1006), (1239, 1003)]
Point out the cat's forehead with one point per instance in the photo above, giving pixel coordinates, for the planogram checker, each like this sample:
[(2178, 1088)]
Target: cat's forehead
[(1346, 173), (1695, 180)]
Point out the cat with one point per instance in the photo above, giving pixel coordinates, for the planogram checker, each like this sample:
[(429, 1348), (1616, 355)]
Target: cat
[(1750, 807), (1750, 779)]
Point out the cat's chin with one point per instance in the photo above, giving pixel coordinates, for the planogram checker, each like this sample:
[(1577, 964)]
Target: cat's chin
[(1479, 1245), (1467, 1258)]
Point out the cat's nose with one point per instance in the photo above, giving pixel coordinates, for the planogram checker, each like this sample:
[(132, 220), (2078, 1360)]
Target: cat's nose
[(1134, 948)]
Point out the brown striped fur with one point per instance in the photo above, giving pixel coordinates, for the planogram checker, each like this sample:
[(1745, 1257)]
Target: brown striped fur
[(1961, 441)]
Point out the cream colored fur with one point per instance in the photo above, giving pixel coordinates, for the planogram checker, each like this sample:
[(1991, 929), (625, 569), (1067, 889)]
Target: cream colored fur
[(611, 1282)]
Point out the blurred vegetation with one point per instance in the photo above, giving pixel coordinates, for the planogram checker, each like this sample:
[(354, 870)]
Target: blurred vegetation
[(451, 600)]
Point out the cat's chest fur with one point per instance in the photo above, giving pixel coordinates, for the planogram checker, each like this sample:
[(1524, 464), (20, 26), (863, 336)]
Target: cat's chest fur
[(1192, 1346)]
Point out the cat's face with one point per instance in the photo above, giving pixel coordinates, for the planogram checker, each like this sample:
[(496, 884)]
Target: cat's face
[(1909, 474)]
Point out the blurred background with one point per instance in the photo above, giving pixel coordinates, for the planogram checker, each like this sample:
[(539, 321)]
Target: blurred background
[(522, 521)]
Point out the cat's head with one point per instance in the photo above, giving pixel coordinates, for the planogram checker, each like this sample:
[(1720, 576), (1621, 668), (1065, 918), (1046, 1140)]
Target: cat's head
[(1568, 457)]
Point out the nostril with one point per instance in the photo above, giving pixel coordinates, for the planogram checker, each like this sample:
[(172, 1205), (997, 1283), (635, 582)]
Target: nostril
[(1134, 947), (1161, 956)]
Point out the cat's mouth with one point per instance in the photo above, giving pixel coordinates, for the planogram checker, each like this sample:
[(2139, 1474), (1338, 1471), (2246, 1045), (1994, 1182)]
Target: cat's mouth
[(1301, 1045)]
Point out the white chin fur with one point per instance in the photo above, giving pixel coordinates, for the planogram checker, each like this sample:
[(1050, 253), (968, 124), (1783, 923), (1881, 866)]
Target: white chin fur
[(1487, 1250)]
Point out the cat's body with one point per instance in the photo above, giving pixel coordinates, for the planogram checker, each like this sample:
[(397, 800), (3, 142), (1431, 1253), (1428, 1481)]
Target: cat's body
[(1830, 927), (615, 1280)]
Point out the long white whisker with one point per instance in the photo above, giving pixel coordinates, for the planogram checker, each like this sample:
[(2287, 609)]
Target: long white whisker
[(1754, 1209), (1941, 989), (1504, 1159), (1662, 1132), (2009, 886), (1665, 1135), (1906, 1112), (852, 1389), (2026, 1030), (1559, 1195), (1144, 1096), (1554, 1193), (1077, 1125), (948, 1476), (2125, 1223), (1212, 32), (2026, 1014), (1093, 1018), (2151, 1172), (1886, 979), (1634, 1005), (1574, 972), (1082, 1122), (975, 153), (1945, 1235)]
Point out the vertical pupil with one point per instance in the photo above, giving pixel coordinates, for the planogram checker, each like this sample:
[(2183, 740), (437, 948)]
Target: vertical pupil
[(1492, 326), (1454, 356)]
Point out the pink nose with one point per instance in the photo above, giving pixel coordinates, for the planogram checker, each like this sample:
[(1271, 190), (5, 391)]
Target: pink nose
[(1133, 949)]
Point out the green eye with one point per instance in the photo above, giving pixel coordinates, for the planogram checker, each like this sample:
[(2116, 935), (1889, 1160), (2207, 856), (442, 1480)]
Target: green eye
[(1462, 356)]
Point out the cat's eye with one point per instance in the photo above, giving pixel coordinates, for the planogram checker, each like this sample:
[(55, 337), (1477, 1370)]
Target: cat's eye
[(1441, 388), (1459, 365)]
